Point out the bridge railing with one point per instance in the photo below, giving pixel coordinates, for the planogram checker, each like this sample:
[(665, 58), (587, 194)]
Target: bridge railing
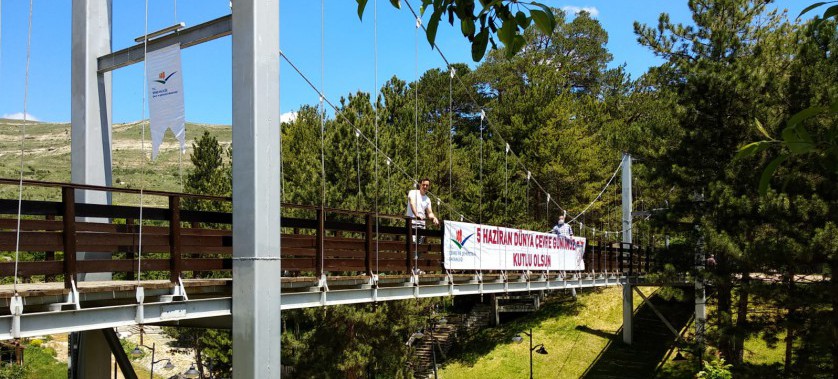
[(181, 240)]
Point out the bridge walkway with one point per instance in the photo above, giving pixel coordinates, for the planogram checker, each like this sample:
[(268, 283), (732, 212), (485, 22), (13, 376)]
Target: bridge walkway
[(329, 256)]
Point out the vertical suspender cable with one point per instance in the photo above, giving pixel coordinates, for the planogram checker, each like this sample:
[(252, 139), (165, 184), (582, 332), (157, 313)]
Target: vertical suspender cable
[(22, 139), (450, 139), (548, 210), (375, 114), (358, 167), (480, 205), (322, 105), (142, 148), (527, 196), (506, 186), (181, 152), (416, 102), (322, 115)]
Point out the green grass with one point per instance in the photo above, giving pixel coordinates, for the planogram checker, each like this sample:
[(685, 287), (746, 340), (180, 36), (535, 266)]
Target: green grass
[(40, 363), (574, 333)]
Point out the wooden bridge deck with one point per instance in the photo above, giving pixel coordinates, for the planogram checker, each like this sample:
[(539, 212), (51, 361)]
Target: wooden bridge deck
[(329, 256)]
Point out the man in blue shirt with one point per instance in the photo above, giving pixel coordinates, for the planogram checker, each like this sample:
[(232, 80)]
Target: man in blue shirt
[(562, 229)]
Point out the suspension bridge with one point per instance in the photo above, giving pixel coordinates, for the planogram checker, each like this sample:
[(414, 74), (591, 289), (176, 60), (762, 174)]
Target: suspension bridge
[(89, 262)]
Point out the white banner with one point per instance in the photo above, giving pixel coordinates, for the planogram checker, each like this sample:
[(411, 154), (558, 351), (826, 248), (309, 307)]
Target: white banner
[(485, 247), (165, 94)]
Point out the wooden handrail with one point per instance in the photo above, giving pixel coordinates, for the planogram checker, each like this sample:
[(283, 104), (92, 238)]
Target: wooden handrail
[(178, 242)]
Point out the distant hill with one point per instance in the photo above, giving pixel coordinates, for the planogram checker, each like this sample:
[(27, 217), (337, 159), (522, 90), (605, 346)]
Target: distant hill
[(47, 157)]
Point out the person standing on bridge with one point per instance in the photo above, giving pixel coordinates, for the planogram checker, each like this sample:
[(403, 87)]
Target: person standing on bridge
[(562, 229), (419, 205), (419, 209)]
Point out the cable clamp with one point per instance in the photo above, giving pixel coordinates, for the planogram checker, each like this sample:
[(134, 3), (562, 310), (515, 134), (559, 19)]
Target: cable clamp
[(16, 308)]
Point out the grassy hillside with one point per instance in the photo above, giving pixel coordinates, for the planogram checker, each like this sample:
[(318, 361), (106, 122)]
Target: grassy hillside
[(576, 335), (47, 157), (570, 349)]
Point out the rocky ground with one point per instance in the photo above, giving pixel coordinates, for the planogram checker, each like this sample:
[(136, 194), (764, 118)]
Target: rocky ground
[(182, 359)]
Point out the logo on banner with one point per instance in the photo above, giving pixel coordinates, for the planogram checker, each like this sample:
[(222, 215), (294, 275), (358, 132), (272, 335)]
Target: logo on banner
[(460, 241), (163, 78)]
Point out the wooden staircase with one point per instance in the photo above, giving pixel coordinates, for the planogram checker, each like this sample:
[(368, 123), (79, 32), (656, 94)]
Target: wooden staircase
[(439, 340)]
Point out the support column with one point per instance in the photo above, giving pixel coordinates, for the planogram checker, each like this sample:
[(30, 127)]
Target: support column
[(628, 299), (628, 312), (626, 171), (496, 309), (90, 117), (256, 189)]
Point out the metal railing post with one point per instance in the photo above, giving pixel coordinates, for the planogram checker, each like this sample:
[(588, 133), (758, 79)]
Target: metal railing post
[(368, 244), (175, 261), (319, 243), (408, 224), (68, 201)]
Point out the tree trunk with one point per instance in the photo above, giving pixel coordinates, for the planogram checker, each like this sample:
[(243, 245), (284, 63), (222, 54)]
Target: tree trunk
[(723, 313), (741, 330), (790, 325)]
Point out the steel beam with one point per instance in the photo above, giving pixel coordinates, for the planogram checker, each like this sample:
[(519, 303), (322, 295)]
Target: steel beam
[(216, 312), (44, 323), (628, 313), (256, 191), (208, 31)]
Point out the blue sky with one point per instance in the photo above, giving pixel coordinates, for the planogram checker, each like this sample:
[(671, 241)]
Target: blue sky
[(349, 51)]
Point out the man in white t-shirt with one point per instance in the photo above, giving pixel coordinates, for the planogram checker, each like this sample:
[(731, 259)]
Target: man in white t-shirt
[(419, 205), (419, 208)]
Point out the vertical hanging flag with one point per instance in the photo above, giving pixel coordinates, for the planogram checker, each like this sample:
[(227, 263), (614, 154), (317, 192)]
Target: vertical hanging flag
[(165, 93)]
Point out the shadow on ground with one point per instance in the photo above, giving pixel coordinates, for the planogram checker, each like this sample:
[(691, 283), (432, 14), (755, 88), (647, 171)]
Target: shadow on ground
[(652, 340)]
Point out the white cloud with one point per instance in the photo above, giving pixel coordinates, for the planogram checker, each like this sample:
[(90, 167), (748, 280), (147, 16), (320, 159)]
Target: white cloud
[(19, 116), (288, 117), (572, 9)]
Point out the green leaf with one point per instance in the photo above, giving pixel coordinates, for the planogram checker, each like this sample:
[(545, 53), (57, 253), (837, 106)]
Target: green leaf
[(751, 149), (765, 180), (478, 46), (506, 33), (762, 129), (805, 115), (362, 4), (831, 12), (798, 139), (813, 6), (396, 3), (433, 24), (522, 19), (467, 27), (543, 21), (518, 43)]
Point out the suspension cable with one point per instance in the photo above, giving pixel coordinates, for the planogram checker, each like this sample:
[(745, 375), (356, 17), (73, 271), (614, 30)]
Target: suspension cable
[(142, 149), (451, 73), (480, 206), (416, 102), (359, 134), (506, 187), (22, 139), (498, 134), (322, 116), (375, 114), (476, 103)]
